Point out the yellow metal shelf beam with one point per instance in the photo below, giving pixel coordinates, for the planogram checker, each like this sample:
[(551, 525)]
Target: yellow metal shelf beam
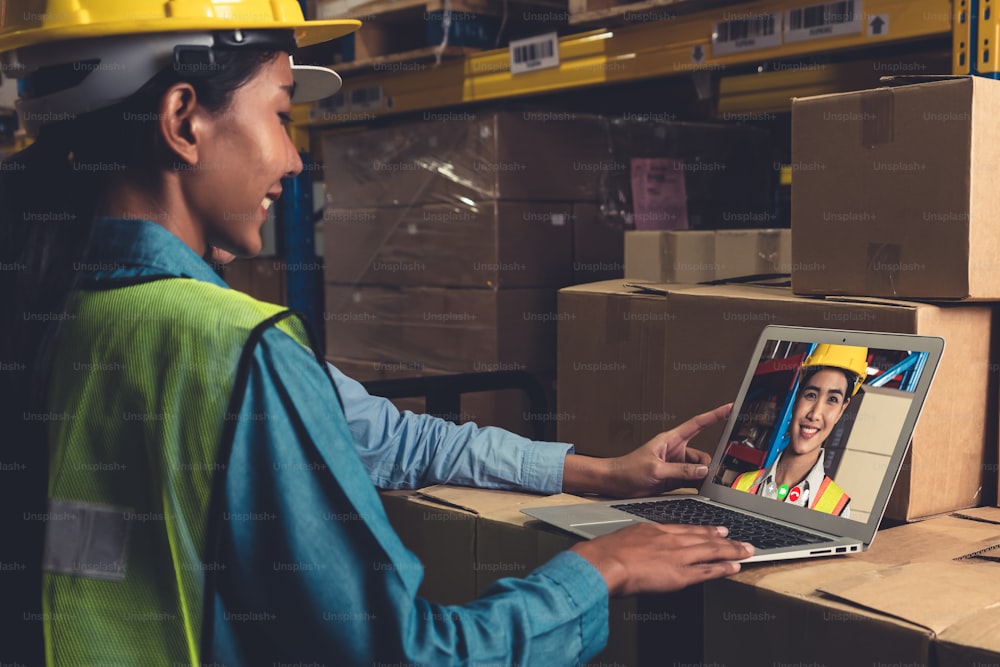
[(742, 96), (631, 53)]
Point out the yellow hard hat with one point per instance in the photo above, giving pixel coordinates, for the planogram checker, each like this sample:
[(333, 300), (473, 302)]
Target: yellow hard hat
[(109, 49), (847, 357), (30, 22)]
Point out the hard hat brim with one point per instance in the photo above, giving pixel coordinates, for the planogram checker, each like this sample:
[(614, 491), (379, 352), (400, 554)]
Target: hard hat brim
[(307, 33), (314, 83)]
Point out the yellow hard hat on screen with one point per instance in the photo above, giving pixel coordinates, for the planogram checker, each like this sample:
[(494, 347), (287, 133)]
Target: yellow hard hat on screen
[(76, 56), (847, 357)]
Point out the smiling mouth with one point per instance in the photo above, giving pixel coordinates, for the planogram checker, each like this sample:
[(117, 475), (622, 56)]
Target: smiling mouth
[(808, 431)]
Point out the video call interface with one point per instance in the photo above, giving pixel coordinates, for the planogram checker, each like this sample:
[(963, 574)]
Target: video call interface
[(819, 424)]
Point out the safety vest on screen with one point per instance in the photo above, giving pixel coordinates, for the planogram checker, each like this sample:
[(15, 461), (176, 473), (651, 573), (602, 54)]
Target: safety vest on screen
[(147, 381), (829, 498)]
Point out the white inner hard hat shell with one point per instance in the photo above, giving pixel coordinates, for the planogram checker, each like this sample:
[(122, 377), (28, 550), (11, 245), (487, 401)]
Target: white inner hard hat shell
[(119, 66)]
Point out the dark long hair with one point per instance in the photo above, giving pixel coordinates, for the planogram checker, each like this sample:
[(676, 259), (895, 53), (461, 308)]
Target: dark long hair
[(51, 195)]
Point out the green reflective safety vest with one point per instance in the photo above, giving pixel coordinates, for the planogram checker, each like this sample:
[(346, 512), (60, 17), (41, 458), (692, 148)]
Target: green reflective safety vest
[(147, 383), (829, 497)]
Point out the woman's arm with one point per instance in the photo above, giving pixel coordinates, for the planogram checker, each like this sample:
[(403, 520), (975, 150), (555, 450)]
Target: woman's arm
[(406, 450), (314, 572)]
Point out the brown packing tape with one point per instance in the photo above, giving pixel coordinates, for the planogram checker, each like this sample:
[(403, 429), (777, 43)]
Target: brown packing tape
[(877, 117)]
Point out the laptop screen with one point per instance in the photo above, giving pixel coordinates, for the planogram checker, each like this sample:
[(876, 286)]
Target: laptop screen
[(819, 424)]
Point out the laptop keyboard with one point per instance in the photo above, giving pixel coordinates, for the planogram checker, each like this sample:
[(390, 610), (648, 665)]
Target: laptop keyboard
[(743, 527)]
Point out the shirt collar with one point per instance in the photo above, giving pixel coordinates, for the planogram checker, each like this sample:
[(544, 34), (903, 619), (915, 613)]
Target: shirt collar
[(128, 248), (812, 481)]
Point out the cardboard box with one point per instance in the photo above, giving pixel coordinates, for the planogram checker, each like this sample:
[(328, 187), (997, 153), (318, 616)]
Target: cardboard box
[(708, 334), (670, 257), (915, 598), (442, 538), (468, 539), (509, 409), (451, 157), (700, 256), (894, 191), (598, 245), (974, 641), (610, 367), (750, 252), (431, 329), (485, 244), (711, 336)]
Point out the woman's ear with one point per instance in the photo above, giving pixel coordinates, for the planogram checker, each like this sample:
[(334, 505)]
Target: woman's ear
[(181, 123)]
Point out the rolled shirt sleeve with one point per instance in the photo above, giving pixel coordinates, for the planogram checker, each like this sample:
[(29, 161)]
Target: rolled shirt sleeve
[(406, 450), (313, 571)]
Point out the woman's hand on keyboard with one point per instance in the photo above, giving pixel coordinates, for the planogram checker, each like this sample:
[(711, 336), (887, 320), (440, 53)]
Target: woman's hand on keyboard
[(653, 558)]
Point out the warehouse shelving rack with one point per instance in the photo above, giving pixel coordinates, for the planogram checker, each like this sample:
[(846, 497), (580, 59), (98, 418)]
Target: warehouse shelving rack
[(680, 46)]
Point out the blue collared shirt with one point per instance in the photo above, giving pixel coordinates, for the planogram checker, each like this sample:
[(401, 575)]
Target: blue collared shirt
[(313, 572)]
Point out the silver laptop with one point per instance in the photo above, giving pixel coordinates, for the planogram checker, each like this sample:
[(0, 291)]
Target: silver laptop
[(810, 452)]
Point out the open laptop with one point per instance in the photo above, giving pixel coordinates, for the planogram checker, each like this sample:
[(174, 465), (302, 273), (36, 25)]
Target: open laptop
[(807, 459)]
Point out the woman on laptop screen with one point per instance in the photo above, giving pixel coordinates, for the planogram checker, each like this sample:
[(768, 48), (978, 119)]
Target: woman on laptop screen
[(829, 378)]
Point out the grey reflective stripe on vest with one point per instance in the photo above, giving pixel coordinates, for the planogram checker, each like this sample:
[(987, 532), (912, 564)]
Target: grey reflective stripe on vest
[(86, 540)]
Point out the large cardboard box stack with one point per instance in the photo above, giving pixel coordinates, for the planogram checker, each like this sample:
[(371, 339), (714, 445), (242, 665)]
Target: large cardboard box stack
[(455, 190), (893, 194), (632, 364), (445, 239), (925, 594), (894, 191)]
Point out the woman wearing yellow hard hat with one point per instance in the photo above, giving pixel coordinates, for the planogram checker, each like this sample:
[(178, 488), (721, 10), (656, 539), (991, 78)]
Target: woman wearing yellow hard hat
[(186, 482), (830, 377)]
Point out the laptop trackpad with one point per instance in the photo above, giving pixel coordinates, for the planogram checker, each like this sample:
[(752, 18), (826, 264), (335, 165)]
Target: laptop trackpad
[(588, 519), (596, 520)]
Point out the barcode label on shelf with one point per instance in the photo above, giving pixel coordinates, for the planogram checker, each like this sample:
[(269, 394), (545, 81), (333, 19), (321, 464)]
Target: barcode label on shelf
[(365, 99), (335, 103), (746, 31), (823, 20), (540, 52)]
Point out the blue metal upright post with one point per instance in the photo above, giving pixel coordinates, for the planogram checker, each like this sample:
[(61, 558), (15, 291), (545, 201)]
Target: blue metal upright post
[(780, 437), (296, 238)]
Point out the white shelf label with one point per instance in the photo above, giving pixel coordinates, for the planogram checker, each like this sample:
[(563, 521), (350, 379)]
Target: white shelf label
[(746, 31), (824, 20), (532, 53), (365, 99)]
